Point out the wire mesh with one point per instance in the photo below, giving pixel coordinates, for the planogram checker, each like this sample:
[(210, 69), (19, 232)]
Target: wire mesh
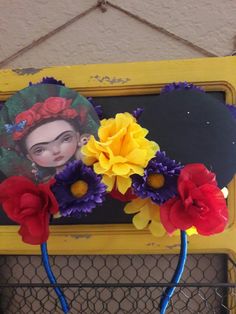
[(117, 284)]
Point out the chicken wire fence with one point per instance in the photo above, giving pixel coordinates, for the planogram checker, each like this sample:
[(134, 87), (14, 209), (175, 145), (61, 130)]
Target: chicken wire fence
[(117, 284)]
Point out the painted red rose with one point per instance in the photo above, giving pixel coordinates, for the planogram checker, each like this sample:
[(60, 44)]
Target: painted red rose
[(30, 206), (200, 203), (17, 135), (29, 116), (36, 108), (69, 113), (53, 106)]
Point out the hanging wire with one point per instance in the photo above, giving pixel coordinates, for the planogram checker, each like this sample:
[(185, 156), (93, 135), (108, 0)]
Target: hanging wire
[(177, 275), (234, 47), (103, 6), (52, 279), (164, 31), (41, 39)]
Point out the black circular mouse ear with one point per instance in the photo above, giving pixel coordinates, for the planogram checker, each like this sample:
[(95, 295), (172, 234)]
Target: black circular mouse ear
[(194, 127)]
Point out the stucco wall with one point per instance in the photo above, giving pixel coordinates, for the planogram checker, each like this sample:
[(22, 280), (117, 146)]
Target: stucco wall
[(113, 36)]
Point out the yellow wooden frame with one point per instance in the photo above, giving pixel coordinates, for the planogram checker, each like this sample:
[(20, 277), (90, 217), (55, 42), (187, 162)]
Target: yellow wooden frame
[(214, 74)]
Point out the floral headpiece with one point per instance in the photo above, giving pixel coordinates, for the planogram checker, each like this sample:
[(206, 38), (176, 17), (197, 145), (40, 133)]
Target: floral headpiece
[(161, 193), (52, 107)]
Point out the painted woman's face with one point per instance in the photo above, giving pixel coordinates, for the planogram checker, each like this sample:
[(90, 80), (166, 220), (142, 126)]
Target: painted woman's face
[(52, 144)]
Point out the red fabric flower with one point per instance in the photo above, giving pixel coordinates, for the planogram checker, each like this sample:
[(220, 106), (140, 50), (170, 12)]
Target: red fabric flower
[(30, 206), (200, 203), (128, 196)]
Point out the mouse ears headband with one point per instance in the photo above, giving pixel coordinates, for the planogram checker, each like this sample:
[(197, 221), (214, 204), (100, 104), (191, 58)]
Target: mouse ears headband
[(169, 164)]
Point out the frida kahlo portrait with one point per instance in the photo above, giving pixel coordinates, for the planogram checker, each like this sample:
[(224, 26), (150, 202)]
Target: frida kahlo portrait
[(42, 128)]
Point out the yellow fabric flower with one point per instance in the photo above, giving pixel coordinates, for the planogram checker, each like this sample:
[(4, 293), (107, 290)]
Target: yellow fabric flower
[(148, 214), (191, 231), (121, 151)]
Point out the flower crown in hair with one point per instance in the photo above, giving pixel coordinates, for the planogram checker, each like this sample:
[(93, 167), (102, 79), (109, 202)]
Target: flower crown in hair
[(52, 107)]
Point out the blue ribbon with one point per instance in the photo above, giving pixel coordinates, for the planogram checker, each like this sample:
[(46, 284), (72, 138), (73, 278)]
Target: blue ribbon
[(52, 279), (165, 299)]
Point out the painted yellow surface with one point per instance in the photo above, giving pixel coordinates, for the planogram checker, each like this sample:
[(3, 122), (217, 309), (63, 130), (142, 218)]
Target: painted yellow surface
[(214, 74)]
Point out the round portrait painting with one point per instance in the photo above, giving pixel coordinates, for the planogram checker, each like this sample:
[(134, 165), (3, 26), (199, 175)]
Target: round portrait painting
[(42, 128)]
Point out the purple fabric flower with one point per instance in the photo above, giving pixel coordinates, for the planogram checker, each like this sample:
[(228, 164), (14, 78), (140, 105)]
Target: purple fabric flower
[(168, 168), (97, 107), (137, 113), (48, 80), (71, 205), (232, 109), (180, 86)]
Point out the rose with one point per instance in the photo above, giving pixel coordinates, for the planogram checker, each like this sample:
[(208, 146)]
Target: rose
[(69, 113), (200, 203), (17, 135), (53, 106), (30, 116), (36, 109), (30, 206)]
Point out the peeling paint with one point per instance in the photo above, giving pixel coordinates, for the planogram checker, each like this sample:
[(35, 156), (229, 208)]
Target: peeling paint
[(80, 236), (26, 71), (174, 246), (152, 244), (110, 80)]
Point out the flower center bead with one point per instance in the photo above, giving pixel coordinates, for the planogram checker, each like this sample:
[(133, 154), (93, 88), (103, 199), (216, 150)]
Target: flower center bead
[(79, 188), (156, 180)]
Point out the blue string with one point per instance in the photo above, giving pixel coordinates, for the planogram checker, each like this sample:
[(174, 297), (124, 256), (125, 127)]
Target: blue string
[(52, 279), (165, 299)]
